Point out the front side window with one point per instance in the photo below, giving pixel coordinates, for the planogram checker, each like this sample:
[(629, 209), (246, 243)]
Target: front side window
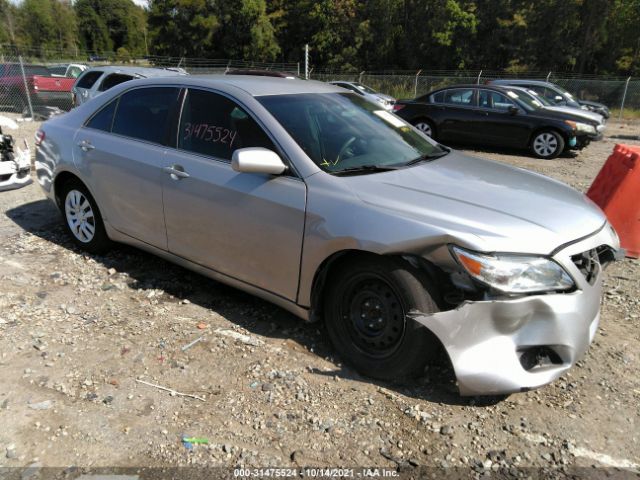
[(88, 79), (494, 100), (341, 131), (144, 113), (216, 126), (459, 96)]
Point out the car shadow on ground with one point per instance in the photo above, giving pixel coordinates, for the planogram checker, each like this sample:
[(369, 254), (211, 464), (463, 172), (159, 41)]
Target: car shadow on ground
[(146, 271)]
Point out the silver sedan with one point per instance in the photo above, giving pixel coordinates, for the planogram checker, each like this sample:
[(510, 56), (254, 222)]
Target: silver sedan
[(333, 208)]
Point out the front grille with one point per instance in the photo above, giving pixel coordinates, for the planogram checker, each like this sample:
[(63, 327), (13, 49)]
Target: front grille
[(588, 263)]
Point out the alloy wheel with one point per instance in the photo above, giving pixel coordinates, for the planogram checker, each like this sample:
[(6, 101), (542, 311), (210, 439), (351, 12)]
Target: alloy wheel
[(79, 216), (424, 127)]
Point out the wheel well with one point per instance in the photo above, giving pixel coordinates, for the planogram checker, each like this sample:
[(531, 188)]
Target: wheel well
[(60, 180), (333, 262)]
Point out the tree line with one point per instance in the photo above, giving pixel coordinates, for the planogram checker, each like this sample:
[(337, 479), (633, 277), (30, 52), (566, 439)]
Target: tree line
[(582, 36)]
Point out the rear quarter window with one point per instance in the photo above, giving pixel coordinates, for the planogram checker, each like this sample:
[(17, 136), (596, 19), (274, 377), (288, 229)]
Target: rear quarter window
[(89, 79), (113, 80)]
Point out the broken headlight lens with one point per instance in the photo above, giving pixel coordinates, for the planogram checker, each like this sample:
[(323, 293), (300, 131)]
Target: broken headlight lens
[(514, 273)]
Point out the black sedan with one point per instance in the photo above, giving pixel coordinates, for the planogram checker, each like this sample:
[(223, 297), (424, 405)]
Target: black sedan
[(495, 116)]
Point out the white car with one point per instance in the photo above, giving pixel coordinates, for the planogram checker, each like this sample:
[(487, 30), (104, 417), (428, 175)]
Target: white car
[(367, 92)]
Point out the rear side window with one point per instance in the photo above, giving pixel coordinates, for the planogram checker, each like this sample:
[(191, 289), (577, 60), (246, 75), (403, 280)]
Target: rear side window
[(145, 113), (104, 118), (437, 97), (216, 126), (459, 96), (88, 79), (113, 80)]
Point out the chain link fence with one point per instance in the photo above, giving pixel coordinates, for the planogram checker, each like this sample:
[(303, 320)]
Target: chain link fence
[(622, 95), (37, 82)]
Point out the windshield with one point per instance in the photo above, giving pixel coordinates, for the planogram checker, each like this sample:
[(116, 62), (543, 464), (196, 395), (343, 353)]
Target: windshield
[(341, 131), (525, 99), (543, 101)]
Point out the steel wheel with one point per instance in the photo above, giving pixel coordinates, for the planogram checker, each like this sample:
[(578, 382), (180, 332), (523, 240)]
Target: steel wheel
[(373, 315), (545, 144), (425, 128), (79, 216)]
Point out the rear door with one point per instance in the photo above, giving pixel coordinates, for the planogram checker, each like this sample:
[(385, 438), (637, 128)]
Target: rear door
[(457, 115), (121, 151), (246, 226)]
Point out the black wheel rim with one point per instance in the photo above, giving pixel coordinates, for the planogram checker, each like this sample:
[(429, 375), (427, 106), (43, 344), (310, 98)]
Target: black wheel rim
[(373, 315)]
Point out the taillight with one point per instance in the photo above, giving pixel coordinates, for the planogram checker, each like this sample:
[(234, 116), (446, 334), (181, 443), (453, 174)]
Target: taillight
[(39, 137), (398, 107)]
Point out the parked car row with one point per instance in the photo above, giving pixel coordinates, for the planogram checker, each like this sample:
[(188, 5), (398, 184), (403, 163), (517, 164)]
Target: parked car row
[(327, 204)]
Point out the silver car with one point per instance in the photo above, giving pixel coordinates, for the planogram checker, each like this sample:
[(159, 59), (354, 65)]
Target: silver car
[(97, 80), (333, 208), (369, 93)]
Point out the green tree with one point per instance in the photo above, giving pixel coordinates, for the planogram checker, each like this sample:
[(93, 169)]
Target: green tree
[(245, 31), (7, 22), (182, 27)]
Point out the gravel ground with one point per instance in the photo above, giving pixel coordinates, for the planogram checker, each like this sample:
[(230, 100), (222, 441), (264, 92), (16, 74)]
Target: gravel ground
[(79, 335)]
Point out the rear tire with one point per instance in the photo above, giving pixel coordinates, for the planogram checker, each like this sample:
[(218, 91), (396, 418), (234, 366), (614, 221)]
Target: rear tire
[(82, 217), (366, 303), (425, 126), (547, 144)]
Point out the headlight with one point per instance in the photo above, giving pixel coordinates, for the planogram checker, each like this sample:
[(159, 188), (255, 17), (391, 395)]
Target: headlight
[(514, 273), (581, 127)]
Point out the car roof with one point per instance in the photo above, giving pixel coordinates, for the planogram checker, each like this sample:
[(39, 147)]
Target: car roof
[(145, 72), (253, 85)]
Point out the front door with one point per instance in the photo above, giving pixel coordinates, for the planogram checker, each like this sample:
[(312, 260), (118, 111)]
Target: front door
[(247, 226)]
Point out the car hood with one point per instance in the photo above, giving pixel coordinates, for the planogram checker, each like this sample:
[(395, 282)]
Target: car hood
[(564, 113), (593, 104), (388, 98), (578, 112), (502, 208)]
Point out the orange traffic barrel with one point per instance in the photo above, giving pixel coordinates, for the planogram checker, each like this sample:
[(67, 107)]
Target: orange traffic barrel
[(616, 190)]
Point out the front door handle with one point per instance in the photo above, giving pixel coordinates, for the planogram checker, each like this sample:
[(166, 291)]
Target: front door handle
[(85, 145), (176, 171)]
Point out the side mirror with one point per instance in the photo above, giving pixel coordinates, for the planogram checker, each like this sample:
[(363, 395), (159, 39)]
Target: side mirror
[(257, 160), (513, 110), (558, 98)]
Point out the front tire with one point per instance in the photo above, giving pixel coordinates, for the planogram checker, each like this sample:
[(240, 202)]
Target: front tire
[(82, 218), (547, 144), (366, 306)]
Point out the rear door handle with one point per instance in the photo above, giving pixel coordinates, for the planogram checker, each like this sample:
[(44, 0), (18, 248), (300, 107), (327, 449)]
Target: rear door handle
[(85, 145), (176, 171)]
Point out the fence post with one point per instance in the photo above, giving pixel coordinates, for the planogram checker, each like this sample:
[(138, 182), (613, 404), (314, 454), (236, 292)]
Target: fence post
[(26, 87), (298, 69), (306, 61), (548, 76), (415, 85), (624, 96), (478, 80), (360, 76)]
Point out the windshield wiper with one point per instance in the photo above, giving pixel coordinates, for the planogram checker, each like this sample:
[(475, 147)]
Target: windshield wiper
[(427, 157), (365, 169)]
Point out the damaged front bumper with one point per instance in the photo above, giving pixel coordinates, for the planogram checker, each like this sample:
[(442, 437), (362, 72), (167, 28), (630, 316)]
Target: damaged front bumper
[(15, 170), (511, 345)]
